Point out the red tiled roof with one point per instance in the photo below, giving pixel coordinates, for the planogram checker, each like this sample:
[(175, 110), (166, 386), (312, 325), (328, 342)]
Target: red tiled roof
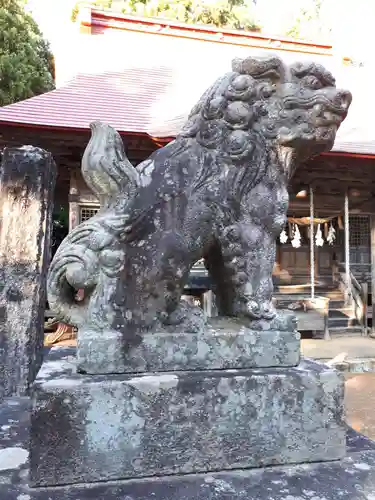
[(123, 70), (129, 91), (156, 101), (112, 97), (140, 81)]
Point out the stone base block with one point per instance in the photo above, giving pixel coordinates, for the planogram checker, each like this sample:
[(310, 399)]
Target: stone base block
[(96, 428), (226, 344), (349, 479)]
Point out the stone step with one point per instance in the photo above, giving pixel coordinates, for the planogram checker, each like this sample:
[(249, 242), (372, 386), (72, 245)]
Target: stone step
[(332, 295), (345, 331), (342, 322), (337, 303), (335, 296), (341, 312), (340, 332), (306, 287), (342, 318)]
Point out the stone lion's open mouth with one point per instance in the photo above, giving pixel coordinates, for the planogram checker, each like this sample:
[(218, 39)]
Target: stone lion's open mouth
[(338, 105), (326, 133), (296, 137), (327, 119)]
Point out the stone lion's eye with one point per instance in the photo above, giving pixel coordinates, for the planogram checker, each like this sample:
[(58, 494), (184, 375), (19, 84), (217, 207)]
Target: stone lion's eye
[(312, 82)]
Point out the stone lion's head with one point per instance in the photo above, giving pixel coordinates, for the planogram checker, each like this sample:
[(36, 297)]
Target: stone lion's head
[(296, 108)]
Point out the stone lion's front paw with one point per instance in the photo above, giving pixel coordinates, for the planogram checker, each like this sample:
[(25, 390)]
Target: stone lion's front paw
[(279, 322), (250, 309), (268, 311), (255, 310), (185, 318)]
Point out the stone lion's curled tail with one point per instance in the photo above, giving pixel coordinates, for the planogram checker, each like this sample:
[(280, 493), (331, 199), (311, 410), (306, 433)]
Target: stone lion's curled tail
[(75, 266)]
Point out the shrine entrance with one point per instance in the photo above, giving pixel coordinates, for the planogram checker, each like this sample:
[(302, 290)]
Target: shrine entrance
[(294, 252), (295, 260), (293, 263)]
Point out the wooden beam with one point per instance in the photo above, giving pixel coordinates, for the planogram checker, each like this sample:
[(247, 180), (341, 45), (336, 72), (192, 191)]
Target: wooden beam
[(372, 227), (312, 244), (347, 250), (73, 202)]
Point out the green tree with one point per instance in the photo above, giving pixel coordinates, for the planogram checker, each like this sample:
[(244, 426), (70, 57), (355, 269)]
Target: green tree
[(309, 23), (233, 14), (26, 63)]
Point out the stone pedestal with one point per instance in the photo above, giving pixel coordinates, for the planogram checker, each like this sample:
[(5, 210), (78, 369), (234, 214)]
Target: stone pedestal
[(27, 181), (352, 478), (88, 428), (224, 344)]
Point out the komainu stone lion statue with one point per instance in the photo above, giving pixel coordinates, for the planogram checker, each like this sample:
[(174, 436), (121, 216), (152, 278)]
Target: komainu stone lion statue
[(218, 192)]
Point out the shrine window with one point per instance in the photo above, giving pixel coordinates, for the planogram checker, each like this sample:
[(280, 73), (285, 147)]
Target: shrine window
[(359, 239), (86, 212)]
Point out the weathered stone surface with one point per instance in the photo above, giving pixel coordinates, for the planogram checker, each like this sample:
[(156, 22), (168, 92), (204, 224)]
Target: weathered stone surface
[(352, 478), (225, 343), (27, 181), (219, 192), (93, 428)]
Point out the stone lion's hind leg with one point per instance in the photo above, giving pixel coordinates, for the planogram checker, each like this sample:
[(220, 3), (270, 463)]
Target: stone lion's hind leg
[(222, 280), (172, 268)]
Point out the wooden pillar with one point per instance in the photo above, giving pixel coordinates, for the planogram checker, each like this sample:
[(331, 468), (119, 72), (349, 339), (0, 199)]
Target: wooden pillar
[(347, 249), (312, 255), (327, 335), (209, 304), (73, 202), (364, 287), (63, 331), (372, 222)]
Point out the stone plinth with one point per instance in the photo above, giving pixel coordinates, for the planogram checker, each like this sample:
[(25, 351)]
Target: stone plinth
[(96, 428), (27, 181), (226, 343)]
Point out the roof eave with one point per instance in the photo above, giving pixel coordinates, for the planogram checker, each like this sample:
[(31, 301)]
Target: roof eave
[(109, 19), (158, 140), (60, 128)]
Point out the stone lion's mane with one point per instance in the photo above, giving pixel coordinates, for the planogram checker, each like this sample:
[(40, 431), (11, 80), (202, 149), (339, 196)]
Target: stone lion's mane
[(224, 117), (229, 122)]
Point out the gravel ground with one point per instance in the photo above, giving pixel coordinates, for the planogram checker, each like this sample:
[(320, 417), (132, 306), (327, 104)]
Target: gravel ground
[(360, 402)]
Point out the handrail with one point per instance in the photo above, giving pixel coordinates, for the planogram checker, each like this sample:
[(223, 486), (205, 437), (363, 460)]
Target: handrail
[(355, 282), (358, 293)]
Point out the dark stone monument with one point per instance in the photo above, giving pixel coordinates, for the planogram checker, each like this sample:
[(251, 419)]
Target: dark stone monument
[(27, 181), (156, 388)]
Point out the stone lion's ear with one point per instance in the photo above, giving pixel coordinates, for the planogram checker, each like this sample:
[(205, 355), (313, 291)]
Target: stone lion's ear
[(271, 67), (237, 65), (301, 69)]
